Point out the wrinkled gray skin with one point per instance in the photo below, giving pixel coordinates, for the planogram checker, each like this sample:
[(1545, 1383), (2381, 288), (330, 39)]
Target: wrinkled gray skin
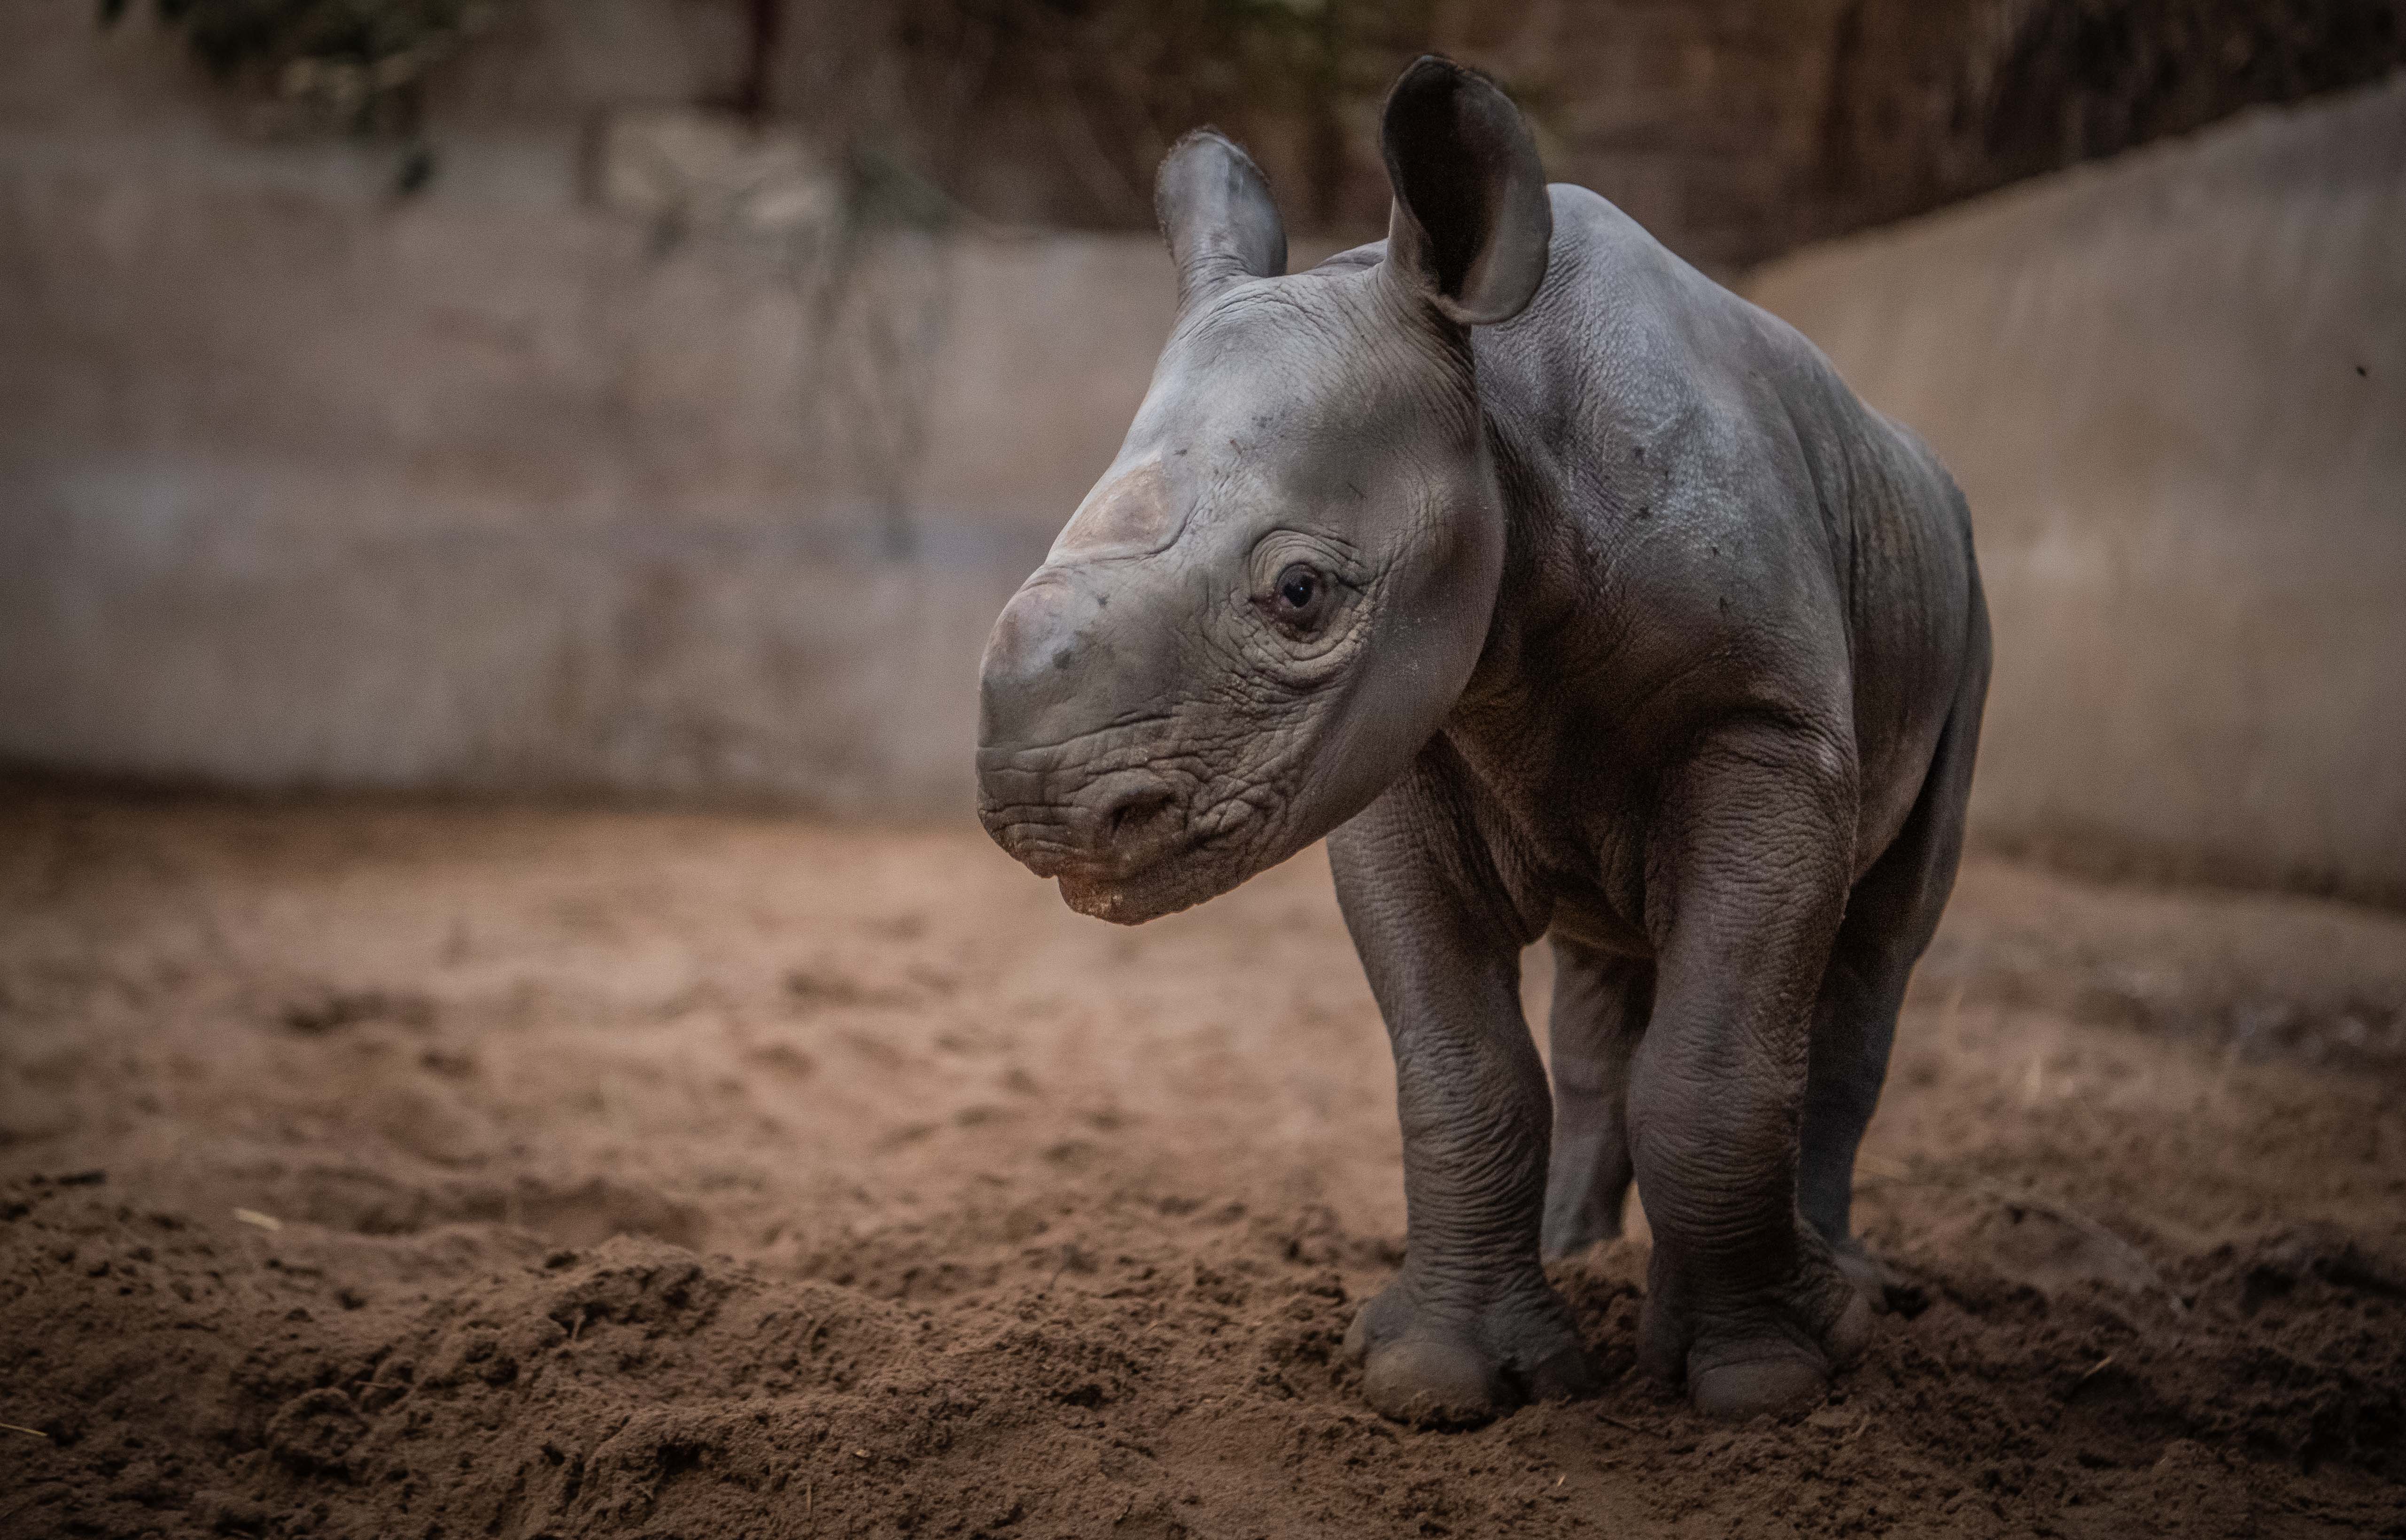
[(1569, 595)]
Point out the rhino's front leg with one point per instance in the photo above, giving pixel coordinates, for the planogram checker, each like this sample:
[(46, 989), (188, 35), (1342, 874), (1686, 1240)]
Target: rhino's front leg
[(1469, 1327), (1748, 880)]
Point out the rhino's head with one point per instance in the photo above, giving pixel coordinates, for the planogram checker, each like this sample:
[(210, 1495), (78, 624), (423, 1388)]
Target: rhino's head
[(1273, 597)]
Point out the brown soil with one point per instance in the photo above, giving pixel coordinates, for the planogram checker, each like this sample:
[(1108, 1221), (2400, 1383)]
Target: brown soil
[(378, 1170)]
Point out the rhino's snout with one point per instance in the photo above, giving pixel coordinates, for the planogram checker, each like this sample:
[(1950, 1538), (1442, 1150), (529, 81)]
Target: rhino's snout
[(1047, 789), (1030, 680), (1105, 827)]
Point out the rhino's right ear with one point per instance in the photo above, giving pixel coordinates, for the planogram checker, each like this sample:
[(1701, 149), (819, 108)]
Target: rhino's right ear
[(1215, 210), (1471, 222)]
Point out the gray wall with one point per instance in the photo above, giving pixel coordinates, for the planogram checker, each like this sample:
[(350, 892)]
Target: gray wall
[(295, 491), (302, 484), (2173, 388)]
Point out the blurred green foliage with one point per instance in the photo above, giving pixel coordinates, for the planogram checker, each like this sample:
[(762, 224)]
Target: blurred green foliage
[(356, 63), (1041, 111)]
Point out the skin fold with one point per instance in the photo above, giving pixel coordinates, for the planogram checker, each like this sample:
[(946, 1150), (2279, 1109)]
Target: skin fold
[(1568, 595)]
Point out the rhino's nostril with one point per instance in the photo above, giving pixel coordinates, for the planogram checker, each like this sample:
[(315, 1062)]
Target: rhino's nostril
[(1134, 814)]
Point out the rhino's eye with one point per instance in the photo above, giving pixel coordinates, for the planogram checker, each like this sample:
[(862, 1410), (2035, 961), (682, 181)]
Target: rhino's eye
[(1299, 596)]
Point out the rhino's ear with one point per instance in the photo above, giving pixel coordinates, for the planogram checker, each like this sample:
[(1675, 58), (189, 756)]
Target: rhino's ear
[(1471, 221), (1215, 210)]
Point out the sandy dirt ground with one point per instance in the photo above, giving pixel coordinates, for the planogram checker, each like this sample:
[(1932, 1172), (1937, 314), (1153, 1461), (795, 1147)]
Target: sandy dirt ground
[(372, 1169)]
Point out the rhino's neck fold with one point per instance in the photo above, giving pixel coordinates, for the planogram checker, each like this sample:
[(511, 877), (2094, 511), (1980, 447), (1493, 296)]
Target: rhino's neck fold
[(1529, 575)]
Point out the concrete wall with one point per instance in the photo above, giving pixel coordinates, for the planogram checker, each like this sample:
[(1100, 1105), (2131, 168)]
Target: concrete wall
[(306, 484), (2173, 388), (295, 493)]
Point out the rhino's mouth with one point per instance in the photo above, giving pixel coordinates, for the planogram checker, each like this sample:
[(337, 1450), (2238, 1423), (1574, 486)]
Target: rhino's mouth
[(1209, 858), (1133, 832)]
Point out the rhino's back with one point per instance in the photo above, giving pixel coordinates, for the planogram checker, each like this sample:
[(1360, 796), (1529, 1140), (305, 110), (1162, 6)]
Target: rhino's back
[(1710, 451), (1626, 345)]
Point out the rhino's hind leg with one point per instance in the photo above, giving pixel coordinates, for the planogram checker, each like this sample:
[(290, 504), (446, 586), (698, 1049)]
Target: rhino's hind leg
[(1853, 1026), (1599, 1010), (1890, 917)]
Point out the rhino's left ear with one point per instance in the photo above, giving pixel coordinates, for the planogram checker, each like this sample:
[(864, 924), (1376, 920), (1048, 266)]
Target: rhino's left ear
[(1215, 210), (1471, 221)]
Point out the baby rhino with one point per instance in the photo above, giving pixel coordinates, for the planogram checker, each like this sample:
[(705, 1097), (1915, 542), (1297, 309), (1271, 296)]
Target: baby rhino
[(1568, 595)]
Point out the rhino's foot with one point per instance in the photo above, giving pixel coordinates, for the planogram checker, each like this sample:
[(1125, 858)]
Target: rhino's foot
[(1436, 1363), (1761, 1353)]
